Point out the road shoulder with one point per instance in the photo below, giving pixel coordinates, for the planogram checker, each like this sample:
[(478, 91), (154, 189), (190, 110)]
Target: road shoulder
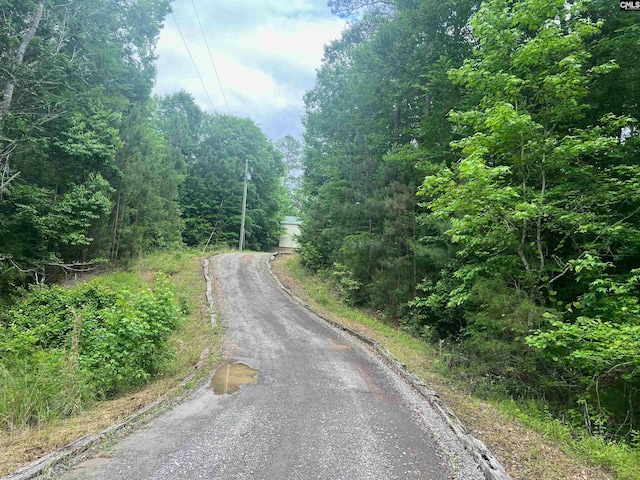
[(523, 452)]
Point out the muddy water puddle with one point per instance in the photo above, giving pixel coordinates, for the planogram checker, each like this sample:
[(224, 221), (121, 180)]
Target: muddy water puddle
[(229, 377)]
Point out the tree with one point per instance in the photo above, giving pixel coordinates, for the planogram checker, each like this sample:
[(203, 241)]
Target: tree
[(291, 150), (146, 212), (375, 125), (14, 59), (541, 202), (69, 74), (516, 198), (214, 150), (349, 8)]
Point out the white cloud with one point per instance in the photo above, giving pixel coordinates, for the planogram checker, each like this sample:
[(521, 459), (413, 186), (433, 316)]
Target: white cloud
[(265, 51), (298, 42)]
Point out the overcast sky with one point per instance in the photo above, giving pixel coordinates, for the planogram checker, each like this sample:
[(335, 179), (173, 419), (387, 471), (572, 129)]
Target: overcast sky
[(266, 53)]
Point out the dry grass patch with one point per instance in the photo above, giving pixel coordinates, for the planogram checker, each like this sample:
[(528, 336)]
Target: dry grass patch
[(525, 453), (193, 337)]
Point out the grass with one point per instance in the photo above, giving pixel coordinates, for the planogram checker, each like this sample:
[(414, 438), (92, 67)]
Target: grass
[(620, 459), (528, 442), (193, 337)]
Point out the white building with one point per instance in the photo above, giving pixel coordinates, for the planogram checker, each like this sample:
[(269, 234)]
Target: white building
[(289, 238)]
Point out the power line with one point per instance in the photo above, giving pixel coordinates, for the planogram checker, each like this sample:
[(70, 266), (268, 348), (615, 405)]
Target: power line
[(213, 64), (194, 62)]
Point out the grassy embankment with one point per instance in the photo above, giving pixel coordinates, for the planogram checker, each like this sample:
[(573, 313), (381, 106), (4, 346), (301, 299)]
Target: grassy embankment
[(528, 442), (28, 440)]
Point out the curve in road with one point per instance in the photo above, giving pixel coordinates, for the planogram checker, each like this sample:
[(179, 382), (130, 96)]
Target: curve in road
[(324, 406)]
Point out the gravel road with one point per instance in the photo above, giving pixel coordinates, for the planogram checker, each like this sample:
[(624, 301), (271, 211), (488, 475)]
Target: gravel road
[(323, 407)]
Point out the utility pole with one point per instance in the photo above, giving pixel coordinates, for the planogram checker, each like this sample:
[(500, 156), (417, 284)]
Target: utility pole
[(244, 204)]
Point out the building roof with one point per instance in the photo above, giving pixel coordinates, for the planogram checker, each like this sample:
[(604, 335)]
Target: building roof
[(291, 220)]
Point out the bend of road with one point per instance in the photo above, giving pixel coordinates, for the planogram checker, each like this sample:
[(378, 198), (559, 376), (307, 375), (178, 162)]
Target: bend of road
[(324, 406)]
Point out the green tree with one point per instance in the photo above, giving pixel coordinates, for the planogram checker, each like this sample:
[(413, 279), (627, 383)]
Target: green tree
[(291, 150), (540, 203), (515, 199), (375, 126), (146, 211), (69, 74), (211, 196)]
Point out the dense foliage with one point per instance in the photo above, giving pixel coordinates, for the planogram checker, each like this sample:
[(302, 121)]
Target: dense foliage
[(76, 78), (471, 171), (215, 150), (63, 347), (291, 149), (92, 168)]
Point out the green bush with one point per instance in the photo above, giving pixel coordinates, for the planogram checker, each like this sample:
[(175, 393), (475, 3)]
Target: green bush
[(129, 347), (594, 347), (346, 284), (60, 347)]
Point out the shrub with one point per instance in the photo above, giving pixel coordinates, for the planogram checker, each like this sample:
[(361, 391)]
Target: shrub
[(61, 347), (346, 284)]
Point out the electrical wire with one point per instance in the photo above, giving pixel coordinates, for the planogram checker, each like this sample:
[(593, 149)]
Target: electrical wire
[(213, 64), (194, 62)]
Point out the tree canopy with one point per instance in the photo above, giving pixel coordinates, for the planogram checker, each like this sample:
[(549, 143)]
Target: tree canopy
[(92, 167), (215, 150), (471, 171)]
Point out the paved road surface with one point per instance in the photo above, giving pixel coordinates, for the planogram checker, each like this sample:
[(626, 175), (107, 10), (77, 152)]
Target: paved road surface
[(323, 406)]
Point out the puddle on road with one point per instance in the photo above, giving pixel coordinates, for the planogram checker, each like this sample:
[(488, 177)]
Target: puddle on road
[(231, 376)]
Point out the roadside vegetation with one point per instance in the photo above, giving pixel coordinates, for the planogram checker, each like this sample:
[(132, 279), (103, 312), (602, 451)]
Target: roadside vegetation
[(97, 174), (524, 435), (94, 168), (471, 174), (76, 359)]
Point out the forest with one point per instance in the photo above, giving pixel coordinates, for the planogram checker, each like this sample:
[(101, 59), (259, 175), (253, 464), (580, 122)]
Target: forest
[(96, 172), (471, 173), (93, 167)]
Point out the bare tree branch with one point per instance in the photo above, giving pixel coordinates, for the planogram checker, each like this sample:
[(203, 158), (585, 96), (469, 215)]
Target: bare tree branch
[(347, 8), (38, 271)]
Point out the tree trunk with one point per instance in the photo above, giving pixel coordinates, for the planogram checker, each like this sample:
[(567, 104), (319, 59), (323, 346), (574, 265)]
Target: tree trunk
[(113, 248), (428, 98), (7, 97)]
